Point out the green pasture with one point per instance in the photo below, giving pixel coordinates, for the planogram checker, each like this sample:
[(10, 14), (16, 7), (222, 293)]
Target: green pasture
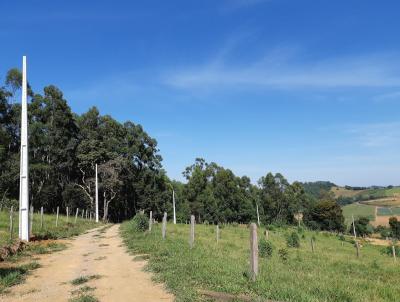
[(332, 273), (48, 231), (358, 210)]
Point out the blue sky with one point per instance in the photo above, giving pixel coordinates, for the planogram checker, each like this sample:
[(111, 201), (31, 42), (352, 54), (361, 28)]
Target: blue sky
[(310, 89)]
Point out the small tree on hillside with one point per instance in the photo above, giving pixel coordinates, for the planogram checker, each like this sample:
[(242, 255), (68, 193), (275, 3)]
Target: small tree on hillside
[(395, 227), (325, 215), (362, 226)]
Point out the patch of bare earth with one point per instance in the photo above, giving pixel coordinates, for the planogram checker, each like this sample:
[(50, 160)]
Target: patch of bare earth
[(382, 220), (380, 242), (120, 278)]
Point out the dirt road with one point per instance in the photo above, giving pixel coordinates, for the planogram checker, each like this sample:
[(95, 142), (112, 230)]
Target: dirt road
[(103, 255)]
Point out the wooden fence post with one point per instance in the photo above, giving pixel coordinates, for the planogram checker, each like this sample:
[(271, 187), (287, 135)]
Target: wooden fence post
[(217, 233), (58, 211), (191, 238), (150, 221), (164, 226), (41, 218), (266, 235), (358, 249), (394, 252), (312, 245), (11, 222), (76, 215), (67, 214), (253, 252)]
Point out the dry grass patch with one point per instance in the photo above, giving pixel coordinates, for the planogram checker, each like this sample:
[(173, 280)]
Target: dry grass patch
[(84, 279)]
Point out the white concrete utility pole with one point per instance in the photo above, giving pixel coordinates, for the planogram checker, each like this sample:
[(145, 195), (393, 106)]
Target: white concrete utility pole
[(97, 197), (173, 204), (24, 172), (258, 215)]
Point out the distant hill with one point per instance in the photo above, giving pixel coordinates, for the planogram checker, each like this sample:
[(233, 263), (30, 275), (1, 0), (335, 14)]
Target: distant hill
[(375, 202), (347, 191), (373, 195), (379, 196), (314, 188)]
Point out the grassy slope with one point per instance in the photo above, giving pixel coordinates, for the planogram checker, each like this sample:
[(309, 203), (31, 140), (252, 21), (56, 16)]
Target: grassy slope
[(384, 202), (358, 210), (333, 273), (63, 230), (375, 193), (393, 191), (341, 191)]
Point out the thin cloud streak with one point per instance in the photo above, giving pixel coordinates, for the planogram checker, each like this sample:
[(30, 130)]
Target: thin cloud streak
[(276, 71), (377, 135)]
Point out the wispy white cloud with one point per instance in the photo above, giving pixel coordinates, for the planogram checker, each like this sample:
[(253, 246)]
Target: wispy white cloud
[(284, 70), (377, 135)]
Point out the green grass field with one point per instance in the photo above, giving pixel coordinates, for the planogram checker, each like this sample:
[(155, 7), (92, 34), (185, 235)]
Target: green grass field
[(358, 210), (49, 229), (391, 192), (388, 211), (384, 212), (332, 273), (396, 211)]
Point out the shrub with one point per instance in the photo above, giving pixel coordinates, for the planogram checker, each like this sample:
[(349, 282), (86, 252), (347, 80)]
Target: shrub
[(383, 231), (6, 203), (342, 238), (265, 248), (362, 226), (326, 215), (313, 225), (45, 235), (280, 224), (140, 223), (388, 250), (293, 240), (394, 227), (283, 254)]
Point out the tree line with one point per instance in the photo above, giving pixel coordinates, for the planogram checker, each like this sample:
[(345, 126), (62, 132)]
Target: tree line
[(64, 148)]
